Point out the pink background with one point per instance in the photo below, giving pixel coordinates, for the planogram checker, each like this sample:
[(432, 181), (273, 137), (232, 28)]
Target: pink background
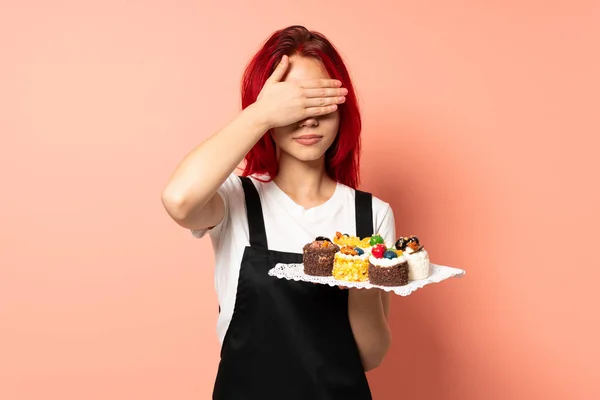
[(478, 128)]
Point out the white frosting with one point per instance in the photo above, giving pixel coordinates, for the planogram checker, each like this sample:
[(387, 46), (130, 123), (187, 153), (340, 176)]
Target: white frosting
[(386, 262), (418, 264)]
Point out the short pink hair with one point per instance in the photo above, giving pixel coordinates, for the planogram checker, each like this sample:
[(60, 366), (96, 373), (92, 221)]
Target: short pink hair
[(342, 159)]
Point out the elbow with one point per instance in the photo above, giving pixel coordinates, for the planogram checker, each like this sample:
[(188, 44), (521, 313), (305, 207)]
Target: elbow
[(375, 357), (175, 205), (370, 366)]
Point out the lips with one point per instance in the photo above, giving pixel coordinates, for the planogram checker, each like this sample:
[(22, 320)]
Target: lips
[(308, 140)]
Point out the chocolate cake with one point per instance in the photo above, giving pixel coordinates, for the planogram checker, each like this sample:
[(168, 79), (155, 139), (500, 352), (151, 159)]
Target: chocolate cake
[(396, 275), (388, 269), (318, 257)]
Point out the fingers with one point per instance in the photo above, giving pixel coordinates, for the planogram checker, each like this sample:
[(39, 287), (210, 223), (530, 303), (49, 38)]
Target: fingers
[(280, 70), (320, 83), (324, 97), (323, 101), (325, 92), (316, 111)]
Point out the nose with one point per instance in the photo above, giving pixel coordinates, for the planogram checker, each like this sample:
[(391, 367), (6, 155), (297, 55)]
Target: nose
[(309, 123)]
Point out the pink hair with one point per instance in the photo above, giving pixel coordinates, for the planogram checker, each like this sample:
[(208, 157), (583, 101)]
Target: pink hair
[(342, 159)]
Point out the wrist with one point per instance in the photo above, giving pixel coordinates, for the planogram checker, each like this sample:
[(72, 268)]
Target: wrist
[(259, 119)]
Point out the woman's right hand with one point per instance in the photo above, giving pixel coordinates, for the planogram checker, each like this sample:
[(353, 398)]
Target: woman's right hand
[(190, 195), (284, 103)]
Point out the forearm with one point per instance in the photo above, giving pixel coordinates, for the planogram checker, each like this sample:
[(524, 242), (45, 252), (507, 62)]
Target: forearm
[(385, 301), (199, 175), (368, 317)]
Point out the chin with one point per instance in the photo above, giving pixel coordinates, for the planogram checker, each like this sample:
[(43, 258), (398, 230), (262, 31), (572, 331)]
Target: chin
[(306, 154)]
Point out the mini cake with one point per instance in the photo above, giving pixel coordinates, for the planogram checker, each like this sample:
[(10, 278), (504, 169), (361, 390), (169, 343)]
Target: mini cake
[(318, 256), (387, 267), (417, 257), (351, 264), (352, 241)]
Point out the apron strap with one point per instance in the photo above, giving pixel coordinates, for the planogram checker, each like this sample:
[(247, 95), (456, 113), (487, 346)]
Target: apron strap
[(364, 214), (256, 222)]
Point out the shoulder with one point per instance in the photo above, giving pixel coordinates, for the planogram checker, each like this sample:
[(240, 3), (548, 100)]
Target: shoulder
[(233, 185), (234, 194), (383, 214), (384, 220), (380, 206)]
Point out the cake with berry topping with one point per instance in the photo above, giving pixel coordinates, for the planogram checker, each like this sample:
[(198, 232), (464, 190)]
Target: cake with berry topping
[(387, 267), (318, 256), (351, 264), (417, 257)]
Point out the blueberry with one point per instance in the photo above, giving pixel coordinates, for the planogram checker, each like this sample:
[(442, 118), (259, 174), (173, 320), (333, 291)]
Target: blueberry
[(359, 251), (389, 254), (322, 239), (345, 234)]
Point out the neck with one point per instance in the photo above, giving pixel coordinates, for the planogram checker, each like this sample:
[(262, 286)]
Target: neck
[(306, 182)]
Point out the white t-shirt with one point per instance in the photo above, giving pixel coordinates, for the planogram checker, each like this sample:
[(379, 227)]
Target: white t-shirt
[(289, 227)]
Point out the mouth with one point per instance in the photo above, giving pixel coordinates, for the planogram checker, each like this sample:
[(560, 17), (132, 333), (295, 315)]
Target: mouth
[(308, 140)]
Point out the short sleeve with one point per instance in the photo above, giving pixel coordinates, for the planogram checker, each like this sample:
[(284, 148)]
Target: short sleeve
[(229, 191), (385, 222)]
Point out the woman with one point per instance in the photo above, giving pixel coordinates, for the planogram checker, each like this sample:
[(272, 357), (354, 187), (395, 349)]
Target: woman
[(299, 134)]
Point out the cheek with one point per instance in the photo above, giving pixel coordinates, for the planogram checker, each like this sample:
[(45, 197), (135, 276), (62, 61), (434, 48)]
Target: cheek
[(331, 122), (278, 134), (333, 117), (331, 125)]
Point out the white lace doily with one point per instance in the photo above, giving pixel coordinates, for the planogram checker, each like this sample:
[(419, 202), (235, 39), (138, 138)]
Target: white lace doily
[(296, 272)]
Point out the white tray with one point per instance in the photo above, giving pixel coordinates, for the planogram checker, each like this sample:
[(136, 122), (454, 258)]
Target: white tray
[(296, 272)]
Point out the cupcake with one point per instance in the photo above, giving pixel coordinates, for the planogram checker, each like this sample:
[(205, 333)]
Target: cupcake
[(351, 264), (387, 267), (318, 256), (417, 257)]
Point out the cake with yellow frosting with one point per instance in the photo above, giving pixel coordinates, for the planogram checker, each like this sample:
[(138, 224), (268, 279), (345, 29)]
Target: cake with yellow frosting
[(351, 264), (352, 241)]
